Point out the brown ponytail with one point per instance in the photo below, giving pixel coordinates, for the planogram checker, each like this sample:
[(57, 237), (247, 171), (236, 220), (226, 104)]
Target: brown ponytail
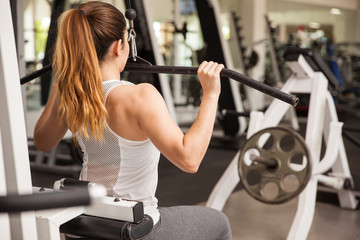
[(84, 37)]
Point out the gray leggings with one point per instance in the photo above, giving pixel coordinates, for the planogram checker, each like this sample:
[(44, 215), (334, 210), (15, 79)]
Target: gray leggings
[(191, 223)]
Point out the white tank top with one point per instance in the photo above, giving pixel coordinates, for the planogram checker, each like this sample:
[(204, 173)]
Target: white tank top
[(128, 169)]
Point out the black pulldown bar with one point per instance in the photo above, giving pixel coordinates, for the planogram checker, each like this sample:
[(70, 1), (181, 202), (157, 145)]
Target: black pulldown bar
[(274, 92), (140, 67), (35, 74)]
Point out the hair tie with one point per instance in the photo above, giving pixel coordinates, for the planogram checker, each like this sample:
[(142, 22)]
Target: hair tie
[(83, 12)]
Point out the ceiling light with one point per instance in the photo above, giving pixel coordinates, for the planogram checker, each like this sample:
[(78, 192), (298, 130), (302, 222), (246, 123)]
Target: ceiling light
[(315, 25), (335, 11)]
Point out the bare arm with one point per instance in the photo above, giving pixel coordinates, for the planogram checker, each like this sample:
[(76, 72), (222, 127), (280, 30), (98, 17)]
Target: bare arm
[(49, 129), (186, 151)]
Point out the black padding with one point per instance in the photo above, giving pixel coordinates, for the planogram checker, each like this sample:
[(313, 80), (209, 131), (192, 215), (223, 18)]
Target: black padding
[(138, 230), (326, 71), (138, 212), (314, 60), (91, 227), (71, 184), (46, 200), (292, 53), (75, 183)]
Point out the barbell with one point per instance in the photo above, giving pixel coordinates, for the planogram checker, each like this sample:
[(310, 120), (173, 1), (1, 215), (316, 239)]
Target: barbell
[(146, 67), (275, 165)]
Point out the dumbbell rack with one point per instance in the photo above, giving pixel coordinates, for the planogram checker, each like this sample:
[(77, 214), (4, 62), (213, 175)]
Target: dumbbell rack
[(273, 51), (241, 49), (322, 121)]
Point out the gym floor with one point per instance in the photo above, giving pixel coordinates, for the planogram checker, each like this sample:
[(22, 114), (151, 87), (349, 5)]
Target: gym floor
[(249, 219), (254, 220)]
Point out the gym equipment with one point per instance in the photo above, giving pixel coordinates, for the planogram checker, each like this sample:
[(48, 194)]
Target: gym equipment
[(225, 112), (217, 49), (342, 59), (45, 199), (192, 95), (89, 227), (15, 175), (283, 166), (108, 207), (246, 61), (58, 7), (310, 76), (104, 218), (130, 14), (277, 67), (273, 52), (141, 67), (109, 218), (224, 73), (140, 19)]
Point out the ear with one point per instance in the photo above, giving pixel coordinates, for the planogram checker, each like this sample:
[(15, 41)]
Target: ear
[(117, 47)]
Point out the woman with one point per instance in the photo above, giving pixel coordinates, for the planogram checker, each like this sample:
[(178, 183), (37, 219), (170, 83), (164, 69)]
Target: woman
[(122, 128)]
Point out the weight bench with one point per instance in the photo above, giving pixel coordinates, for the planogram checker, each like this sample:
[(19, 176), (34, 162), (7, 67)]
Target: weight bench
[(61, 210), (111, 219)]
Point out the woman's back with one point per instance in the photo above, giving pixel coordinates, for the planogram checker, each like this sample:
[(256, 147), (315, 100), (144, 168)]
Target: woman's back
[(127, 168)]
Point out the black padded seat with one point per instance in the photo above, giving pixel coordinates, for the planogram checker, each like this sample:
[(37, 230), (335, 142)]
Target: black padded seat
[(86, 227), (314, 60)]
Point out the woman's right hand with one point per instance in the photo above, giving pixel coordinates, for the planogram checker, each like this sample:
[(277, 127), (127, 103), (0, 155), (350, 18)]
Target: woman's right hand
[(209, 75)]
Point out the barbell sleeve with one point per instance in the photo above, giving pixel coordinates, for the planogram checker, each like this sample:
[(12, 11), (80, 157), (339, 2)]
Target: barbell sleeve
[(269, 162), (133, 67)]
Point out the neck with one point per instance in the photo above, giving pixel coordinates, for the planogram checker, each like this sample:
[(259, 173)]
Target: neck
[(109, 71)]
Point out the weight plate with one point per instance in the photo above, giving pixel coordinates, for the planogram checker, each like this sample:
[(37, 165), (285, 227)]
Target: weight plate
[(275, 185)]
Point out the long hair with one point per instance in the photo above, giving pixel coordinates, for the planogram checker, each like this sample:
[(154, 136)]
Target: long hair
[(84, 38)]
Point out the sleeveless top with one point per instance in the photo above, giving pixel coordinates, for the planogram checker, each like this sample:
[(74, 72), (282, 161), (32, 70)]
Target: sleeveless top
[(128, 169)]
